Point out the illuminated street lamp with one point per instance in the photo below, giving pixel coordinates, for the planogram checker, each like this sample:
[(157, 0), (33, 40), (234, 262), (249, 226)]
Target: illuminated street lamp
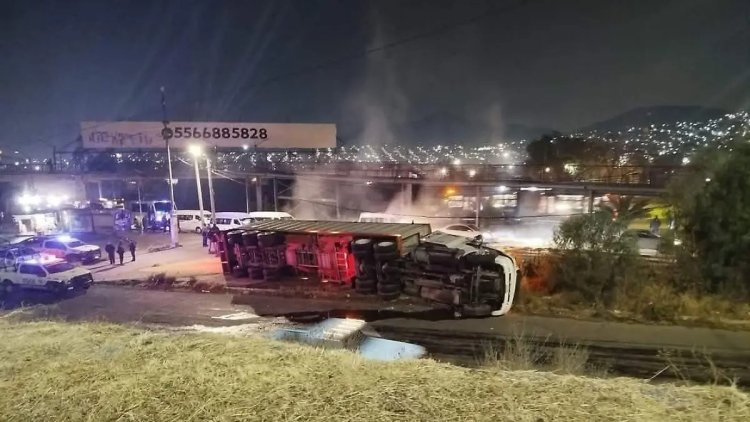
[(196, 151)]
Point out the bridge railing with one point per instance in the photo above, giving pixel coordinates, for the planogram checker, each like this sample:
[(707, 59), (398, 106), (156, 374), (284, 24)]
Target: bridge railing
[(655, 176)]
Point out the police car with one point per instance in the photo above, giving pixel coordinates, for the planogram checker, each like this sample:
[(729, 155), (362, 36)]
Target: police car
[(65, 247), (52, 274)]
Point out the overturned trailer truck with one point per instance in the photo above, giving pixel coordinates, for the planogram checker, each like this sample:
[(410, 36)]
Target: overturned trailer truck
[(383, 259)]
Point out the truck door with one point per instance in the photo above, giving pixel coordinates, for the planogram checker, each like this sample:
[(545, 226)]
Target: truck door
[(32, 275)]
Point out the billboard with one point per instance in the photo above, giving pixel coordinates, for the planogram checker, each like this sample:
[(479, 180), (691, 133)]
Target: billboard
[(148, 135)]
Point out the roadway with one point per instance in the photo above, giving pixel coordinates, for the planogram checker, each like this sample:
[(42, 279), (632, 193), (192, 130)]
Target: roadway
[(176, 308)]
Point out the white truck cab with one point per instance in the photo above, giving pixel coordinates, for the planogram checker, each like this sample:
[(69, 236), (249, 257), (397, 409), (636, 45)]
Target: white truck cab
[(54, 275), (70, 249)]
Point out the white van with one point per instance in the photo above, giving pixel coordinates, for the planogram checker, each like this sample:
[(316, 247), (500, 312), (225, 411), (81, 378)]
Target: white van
[(230, 220), (376, 217), (190, 220), (257, 216), (233, 220)]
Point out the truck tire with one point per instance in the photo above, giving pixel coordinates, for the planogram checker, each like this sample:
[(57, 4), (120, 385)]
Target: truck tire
[(383, 247), (55, 288), (390, 275), (362, 246), (386, 256), (389, 292), (387, 289), (198, 230), (250, 238), (364, 285)]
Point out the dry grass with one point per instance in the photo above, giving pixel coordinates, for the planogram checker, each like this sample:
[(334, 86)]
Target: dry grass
[(657, 301), (55, 371), (520, 354)]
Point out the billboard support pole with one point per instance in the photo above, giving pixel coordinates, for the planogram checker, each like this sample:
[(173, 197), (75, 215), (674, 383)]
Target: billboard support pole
[(166, 134), (210, 186)]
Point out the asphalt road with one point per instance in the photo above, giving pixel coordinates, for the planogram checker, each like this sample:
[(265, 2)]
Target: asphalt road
[(133, 305)]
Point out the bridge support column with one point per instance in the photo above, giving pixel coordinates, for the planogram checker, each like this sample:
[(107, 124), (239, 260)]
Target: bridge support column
[(590, 200), (99, 185), (258, 194)]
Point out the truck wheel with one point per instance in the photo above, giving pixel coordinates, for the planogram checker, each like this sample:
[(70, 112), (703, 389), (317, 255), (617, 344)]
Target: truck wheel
[(55, 288), (250, 238), (383, 247), (198, 230), (388, 289), (386, 256), (389, 294), (362, 245), (73, 259)]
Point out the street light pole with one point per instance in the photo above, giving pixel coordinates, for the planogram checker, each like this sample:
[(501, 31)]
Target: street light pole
[(198, 184), (166, 133), (140, 204), (210, 185)]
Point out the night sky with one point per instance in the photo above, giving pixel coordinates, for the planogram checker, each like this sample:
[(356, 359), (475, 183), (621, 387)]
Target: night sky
[(383, 71)]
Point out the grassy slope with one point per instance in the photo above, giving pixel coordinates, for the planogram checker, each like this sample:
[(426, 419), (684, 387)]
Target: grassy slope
[(57, 371)]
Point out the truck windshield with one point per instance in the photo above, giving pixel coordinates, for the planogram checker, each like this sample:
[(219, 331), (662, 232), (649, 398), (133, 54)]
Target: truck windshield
[(58, 267)]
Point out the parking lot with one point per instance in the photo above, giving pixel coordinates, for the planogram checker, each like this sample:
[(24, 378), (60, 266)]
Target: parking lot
[(153, 256)]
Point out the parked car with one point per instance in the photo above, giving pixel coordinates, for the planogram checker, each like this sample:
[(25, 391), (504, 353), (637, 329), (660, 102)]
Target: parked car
[(465, 230), (65, 247), (647, 242), (14, 240), (13, 255), (56, 276)]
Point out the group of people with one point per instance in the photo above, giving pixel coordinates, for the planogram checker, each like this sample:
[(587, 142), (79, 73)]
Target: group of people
[(110, 248), (210, 237)]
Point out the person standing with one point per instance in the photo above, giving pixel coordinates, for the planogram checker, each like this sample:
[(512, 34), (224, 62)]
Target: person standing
[(110, 249), (655, 225), (213, 235), (204, 233), (120, 251), (131, 246)]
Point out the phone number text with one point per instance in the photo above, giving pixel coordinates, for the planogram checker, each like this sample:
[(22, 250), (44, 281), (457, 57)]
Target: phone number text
[(220, 133)]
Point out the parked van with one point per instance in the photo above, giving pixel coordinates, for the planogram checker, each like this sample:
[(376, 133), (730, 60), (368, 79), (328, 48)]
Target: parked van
[(257, 216), (376, 217), (230, 220), (233, 220), (190, 220)]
